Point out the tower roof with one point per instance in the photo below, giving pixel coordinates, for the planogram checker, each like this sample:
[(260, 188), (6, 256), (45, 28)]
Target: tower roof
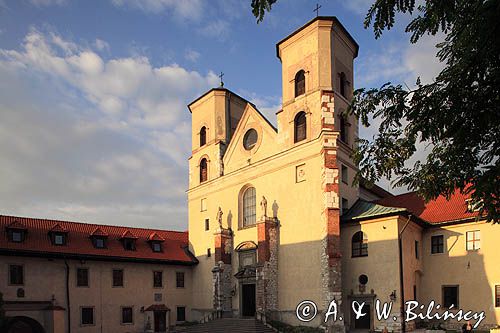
[(333, 19)]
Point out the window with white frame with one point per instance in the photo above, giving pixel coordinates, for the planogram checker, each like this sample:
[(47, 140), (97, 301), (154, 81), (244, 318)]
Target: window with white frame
[(473, 240)]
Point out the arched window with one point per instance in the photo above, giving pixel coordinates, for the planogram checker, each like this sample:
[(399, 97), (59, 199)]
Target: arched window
[(300, 83), (359, 245), (343, 84), (203, 136), (249, 207), (299, 127), (343, 128), (203, 170)]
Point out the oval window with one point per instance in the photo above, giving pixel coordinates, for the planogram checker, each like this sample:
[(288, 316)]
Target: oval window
[(363, 279), (250, 139)]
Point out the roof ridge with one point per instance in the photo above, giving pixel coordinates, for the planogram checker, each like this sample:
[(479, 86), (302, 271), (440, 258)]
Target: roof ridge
[(91, 224)]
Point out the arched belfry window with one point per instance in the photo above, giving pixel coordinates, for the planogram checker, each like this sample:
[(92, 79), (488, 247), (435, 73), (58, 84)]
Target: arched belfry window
[(359, 244), (343, 128), (249, 207), (299, 127), (300, 83), (203, 170), (203, 136), (343, 84)]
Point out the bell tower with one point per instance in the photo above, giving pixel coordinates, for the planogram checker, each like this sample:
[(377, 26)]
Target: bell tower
[(316, 59), (317, 74)]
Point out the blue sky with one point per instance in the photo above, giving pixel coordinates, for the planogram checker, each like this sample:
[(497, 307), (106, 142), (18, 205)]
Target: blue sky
[(93, 119)]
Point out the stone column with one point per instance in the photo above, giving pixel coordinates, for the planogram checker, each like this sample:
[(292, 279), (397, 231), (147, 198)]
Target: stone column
[(267, 265), (222, 272), (331, 257)]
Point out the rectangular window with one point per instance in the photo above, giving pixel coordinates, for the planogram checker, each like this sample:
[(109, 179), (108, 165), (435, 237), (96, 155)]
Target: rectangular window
[(181, 313), (129, 244), (82, 277), (344, 175), (414, 292), (497, 296), (345, 205), (87, 316), (473, 240), (17, 236), (117, 277), (207, 224), (16, 275), (158, 279), (437, 244), (179, 279), (417, 255), (450, 296), (203, 204), (99, 243), (156, 246), (127, 315), (59, 239)]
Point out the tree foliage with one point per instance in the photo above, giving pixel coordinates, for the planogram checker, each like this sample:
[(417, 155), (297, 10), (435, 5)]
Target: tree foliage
[(260, 7), (457, 116)]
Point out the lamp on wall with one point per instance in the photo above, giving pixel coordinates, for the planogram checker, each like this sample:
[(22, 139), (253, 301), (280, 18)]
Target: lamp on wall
[(392, 296)]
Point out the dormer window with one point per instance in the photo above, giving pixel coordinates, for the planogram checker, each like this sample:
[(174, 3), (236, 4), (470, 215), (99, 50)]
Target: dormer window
[(129, 244), (300, 83), (99, 238), (58, 235), (156, 246), (128, 240), (99, 243), (16, 232), (59, 239), (156, 242)]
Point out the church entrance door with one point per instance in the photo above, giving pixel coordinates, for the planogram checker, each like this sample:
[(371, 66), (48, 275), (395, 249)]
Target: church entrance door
[(364, 321), (248, 300)]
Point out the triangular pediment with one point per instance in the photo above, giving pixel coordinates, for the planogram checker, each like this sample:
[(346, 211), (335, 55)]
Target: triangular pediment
[(237, 155)]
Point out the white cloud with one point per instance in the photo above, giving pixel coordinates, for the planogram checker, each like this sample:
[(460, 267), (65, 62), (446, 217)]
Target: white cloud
[(46, 3), (101, 45), (218, 29), (91, 139), (192, 55), (185, 9)]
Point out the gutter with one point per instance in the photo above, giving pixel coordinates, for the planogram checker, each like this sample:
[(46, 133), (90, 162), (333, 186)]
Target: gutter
[(68, 314), (401, 275)]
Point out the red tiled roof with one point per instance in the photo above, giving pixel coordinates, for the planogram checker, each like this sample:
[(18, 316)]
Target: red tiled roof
[(155, 237), (98, 232), (58, 228), (435, 211), (37, 241), (16, 225), (128, 234)]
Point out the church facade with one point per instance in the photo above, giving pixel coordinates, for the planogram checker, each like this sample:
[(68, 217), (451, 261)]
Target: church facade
[(274, 220)]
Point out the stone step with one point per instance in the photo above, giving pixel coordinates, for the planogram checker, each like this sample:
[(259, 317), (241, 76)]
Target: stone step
[(228, 325)]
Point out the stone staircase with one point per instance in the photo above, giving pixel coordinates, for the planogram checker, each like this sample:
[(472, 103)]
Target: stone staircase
[(228, 325)]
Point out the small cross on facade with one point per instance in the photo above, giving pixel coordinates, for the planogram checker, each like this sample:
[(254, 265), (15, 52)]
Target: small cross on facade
[(220, 76), (317, 9)]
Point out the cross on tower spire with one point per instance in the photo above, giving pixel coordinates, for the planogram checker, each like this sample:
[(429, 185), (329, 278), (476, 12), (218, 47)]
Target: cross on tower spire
[(220, 76), (317, 9)]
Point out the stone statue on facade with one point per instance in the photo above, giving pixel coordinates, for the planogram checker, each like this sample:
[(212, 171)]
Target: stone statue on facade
[(219, 217), (263, 207)]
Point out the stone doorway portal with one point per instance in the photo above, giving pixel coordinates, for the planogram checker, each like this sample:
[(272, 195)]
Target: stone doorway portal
[(248, 297)]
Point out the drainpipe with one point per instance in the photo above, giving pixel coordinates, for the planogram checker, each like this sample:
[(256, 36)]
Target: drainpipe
[(68, 313), (401, 277)]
